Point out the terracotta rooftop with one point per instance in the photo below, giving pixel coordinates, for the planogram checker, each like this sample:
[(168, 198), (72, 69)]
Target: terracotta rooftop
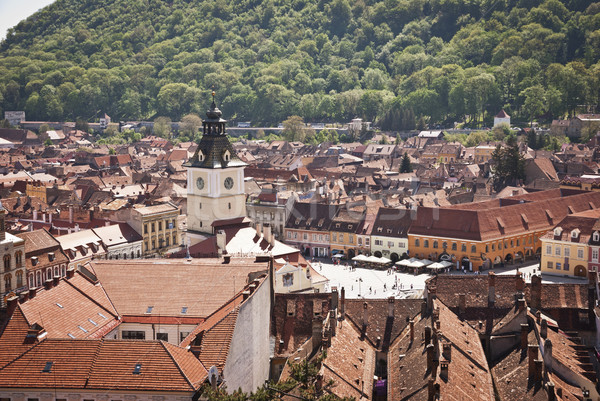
[(105, 365), (165, 287), (67, 311)]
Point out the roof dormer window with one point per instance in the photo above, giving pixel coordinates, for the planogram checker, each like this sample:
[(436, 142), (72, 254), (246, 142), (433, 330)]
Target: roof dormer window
[(558, 232), (575, 233), (226, 155), (200, 156), (596, 236)]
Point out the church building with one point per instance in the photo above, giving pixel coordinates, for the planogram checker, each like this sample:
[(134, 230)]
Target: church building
[(215, 180)]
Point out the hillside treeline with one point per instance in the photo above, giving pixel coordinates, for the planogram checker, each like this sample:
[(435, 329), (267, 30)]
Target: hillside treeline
[(389, 61)]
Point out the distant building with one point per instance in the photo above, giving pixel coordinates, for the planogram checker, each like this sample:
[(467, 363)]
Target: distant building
[(14, 117), (12, 250), (501, 118)]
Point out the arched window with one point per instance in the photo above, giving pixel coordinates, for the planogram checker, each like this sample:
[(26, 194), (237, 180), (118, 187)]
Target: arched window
[(473, 249), (417, 242), (174, 239), (19, 275), (6, 263), (19, 258), (139, 253), (38, 276), (31, 281), (8, 282)]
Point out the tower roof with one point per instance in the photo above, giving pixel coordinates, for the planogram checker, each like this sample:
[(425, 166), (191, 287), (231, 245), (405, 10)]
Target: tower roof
[(214, 149)]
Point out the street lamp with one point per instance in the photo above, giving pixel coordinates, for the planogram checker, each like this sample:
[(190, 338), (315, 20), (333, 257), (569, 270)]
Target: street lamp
[(359, 281)]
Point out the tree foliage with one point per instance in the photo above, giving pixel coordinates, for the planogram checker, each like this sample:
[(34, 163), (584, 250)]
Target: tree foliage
[(388, 62), (508, 164)]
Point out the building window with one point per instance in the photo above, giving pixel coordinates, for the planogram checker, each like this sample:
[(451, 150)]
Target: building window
[(454, 246), (417, 242), (579, 253), (304, 236), (8, 282), (6, 263), (320, 237), (473, 249), (567, 252), (557, 251), (390, 244), (145, 228), (518, 242), (162, 337), (314, 237), (595, 255), (435, 244), (548, 249), (359, 239), (549, 265), (289, 235), (19, 275), (288, 280), (367, 241), (159, 225), (153, 226), (153, 244), (558, 266), (463, 247), (351, 238), (167, 240), (334, 237), (183, 335), (174, 239), (133, 335), (19, 258), (425, 243), (295, 235)]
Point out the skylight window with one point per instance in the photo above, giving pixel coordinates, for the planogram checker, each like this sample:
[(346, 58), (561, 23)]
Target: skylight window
[(102, 316), (184, 310), (92, 322), (82, 329), (138, 369), (70, 335), (149, 310), (59, 305), (48, 367)]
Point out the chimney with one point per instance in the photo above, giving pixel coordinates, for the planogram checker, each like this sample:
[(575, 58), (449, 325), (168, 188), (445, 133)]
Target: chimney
[(48, 284), (539, 366), (333, 321), (444, 370), (221, 241), (521, 304), (226, 259), (432, 390), (24, 296), (524, 333), (365, 314), (544, 328), (11, 305), (317, 333), (70, 273), (532, 355), (491, 288), (246, 294), (412, 330), (44, 217), (538, 317), (462, 303), (391, 301), (71, 214), (267, 232), (447, 351), (343, 304), (427, 336), (536, 291), (259, 229), (551, 391), (35, 216), (334, 297), (548, 356), (32, 292), (55, 281), (431, 365), (50, 217), (519, 282)]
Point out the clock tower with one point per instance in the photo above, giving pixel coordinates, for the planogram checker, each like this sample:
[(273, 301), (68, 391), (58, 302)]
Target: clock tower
[(215, 178)]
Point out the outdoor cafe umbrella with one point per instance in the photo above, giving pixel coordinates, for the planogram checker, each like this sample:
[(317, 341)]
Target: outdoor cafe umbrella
[(360, 258)]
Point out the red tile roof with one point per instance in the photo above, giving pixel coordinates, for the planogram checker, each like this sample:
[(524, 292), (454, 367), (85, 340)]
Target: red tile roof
[(104, 365)]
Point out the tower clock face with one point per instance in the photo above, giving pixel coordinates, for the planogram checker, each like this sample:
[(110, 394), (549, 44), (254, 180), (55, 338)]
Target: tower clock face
[(200, 183), (228, 183)]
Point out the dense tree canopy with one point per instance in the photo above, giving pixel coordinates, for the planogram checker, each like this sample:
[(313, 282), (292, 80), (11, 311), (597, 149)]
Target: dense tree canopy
[(387, 61)]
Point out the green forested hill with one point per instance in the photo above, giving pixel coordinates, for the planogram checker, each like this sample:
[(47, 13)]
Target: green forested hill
[(387, 61)]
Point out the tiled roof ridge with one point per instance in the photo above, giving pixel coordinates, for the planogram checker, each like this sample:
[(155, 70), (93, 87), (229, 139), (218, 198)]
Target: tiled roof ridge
[(117, 316), (166, 346), (35, 345), (91, 368)]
